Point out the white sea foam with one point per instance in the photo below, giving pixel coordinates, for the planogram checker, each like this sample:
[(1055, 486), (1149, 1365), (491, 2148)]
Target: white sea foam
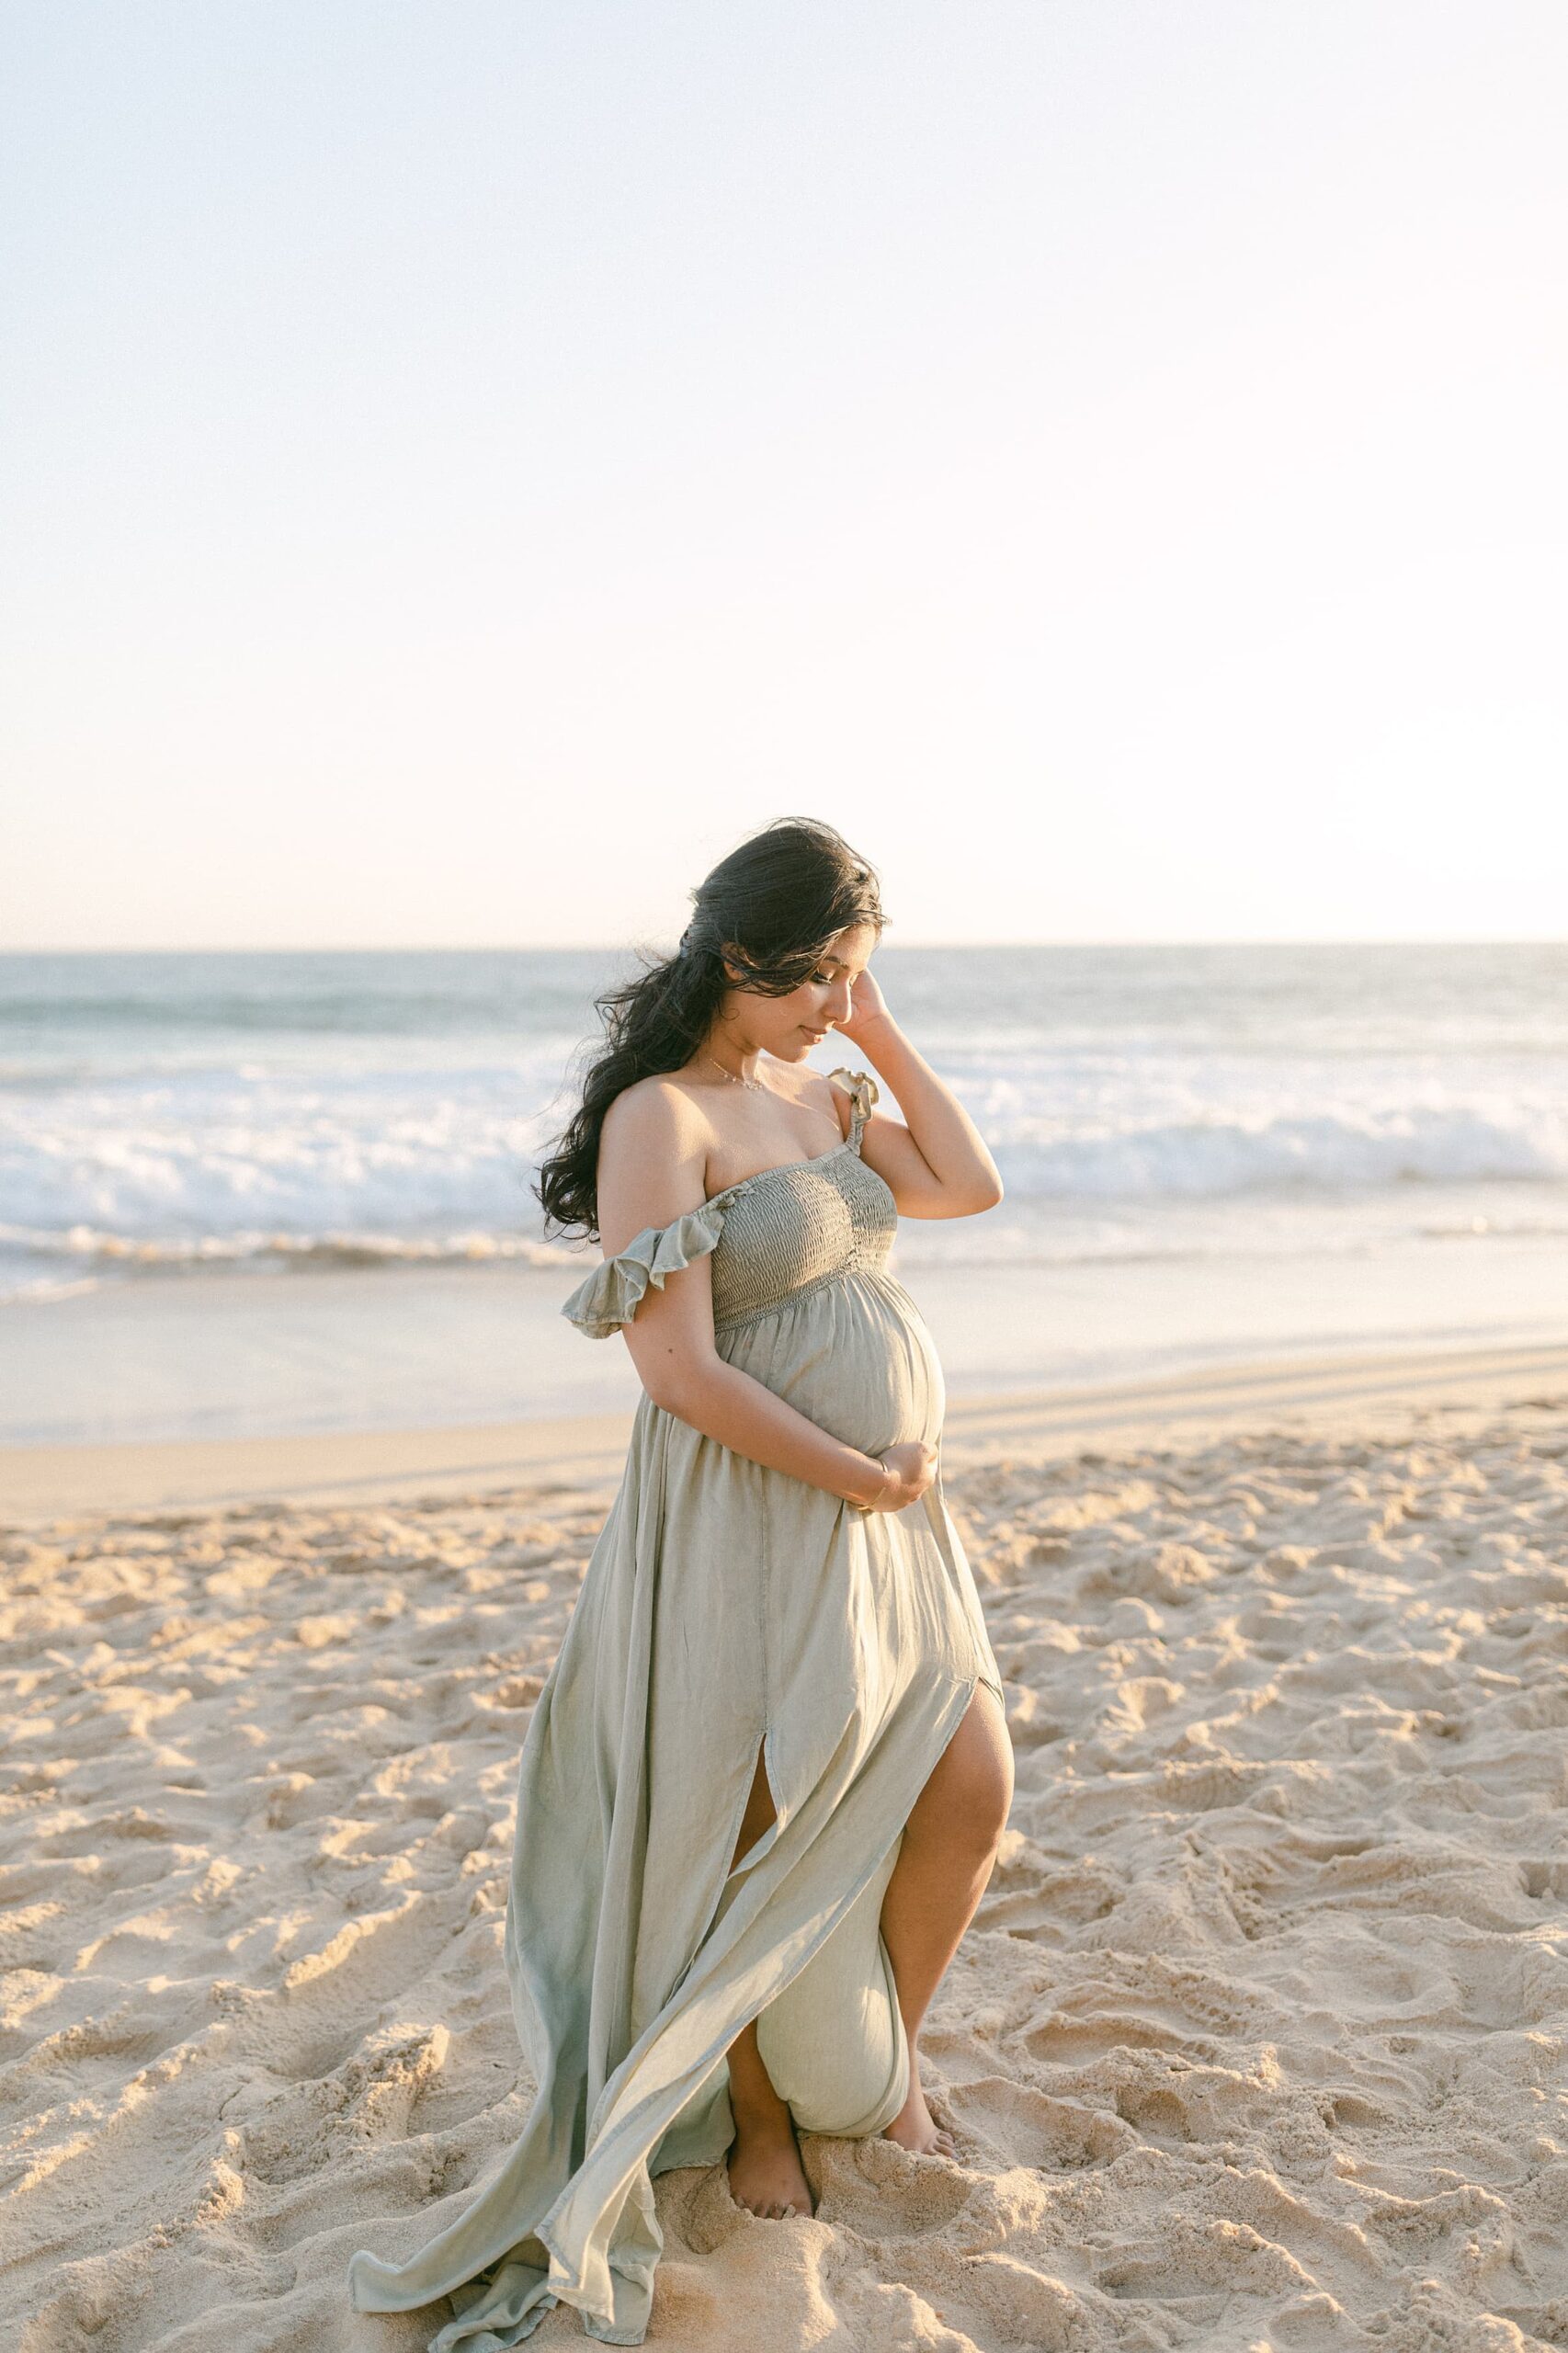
[(146, 1169), (1323, 1150), (160, 1114)]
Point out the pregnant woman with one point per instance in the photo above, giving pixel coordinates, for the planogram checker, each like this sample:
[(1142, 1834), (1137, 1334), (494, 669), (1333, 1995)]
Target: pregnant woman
[(763, 1786)]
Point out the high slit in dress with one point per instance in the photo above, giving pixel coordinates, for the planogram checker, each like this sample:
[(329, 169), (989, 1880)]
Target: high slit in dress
[(726, 1607)]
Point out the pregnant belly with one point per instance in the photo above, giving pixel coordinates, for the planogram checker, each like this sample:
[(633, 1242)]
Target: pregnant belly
[(854, 1356)]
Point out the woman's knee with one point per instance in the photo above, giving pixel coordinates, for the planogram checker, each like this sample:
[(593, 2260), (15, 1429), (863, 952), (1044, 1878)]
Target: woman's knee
[(987, 1796), (971, 1793)]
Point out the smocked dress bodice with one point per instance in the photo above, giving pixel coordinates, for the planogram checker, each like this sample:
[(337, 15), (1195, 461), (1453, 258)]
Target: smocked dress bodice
[(803, 1299), (789, 1229), (773, 1236)]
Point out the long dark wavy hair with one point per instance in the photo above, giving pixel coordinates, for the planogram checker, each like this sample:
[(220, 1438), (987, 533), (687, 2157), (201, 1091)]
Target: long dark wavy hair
[(773, 905)]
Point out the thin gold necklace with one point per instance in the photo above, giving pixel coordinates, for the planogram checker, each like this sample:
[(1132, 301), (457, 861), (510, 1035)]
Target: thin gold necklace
[(735, 1079)]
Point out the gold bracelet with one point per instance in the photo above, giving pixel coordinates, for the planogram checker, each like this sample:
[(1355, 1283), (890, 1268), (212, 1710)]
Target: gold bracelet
[(872, 1501)]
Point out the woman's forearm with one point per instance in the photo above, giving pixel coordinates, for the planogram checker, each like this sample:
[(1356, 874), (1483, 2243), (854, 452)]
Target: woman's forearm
[(752, 1419)]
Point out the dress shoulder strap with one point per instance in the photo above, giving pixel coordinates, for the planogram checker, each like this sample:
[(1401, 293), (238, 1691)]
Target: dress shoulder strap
[(865, 1091)]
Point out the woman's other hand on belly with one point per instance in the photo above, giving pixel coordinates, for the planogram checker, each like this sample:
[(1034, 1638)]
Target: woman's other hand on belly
[(911, 1468)]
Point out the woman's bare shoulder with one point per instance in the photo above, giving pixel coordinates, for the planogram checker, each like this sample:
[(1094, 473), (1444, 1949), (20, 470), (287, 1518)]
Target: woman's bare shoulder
[(654, 1112), (653, 1161)]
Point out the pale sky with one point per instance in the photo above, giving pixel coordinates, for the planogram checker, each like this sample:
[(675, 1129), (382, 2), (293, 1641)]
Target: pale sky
[(468, 466)]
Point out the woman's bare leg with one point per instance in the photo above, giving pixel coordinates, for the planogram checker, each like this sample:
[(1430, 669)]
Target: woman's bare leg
[(950, 1844), (765, 2173)]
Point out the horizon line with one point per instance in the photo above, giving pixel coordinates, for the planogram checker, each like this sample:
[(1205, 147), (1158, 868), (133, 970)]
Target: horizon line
[(599, 946)]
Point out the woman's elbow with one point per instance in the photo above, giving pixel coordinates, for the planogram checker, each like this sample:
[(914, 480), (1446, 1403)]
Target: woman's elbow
[(659, 1390), (675, 1387), (984, 1194)]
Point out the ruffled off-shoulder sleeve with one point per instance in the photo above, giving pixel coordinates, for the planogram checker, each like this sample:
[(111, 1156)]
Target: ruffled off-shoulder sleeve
[(611, 1295)]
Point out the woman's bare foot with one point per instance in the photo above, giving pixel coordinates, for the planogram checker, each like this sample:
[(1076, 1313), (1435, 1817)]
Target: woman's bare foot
[(765, 2173), (914, 2128)]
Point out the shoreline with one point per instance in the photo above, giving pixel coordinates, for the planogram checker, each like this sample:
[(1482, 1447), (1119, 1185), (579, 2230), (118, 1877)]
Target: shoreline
[(230, 1357), (1375, 1392)]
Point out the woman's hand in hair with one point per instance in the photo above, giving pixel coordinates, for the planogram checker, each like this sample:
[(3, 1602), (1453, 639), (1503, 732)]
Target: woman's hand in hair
[(868, 1012)]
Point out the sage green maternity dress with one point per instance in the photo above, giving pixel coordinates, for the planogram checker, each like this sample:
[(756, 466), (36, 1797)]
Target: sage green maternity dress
[(725, 1606)]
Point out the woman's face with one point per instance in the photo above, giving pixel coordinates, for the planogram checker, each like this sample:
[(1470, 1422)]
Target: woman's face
[(790, 1026)]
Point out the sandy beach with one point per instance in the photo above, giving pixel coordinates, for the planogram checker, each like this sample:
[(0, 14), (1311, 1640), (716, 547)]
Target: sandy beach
[(1258, 2038)]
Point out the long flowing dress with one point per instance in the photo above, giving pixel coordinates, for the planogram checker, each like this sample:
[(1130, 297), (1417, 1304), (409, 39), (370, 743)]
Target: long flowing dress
[(726, 1606)]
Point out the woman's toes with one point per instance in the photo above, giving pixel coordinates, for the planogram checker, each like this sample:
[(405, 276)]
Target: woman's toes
[(767, 2176)]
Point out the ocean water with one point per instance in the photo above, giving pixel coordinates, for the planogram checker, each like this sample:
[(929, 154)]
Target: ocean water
[(1369, 1113)]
